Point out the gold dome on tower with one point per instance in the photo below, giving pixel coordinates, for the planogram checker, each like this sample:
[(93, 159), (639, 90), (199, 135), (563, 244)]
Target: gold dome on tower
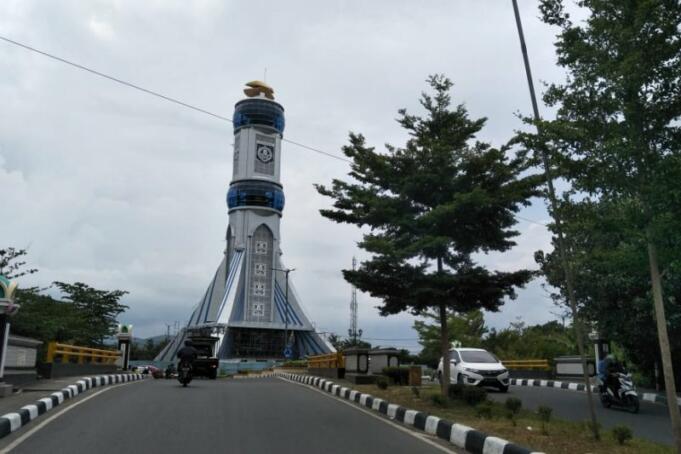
[(258, 88)]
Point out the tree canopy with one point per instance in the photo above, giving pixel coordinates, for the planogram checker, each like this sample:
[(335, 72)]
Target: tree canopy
[(429, 206)]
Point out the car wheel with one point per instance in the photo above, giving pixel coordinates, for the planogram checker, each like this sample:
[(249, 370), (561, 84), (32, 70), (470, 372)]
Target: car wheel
[(459, 379), (503, 389)]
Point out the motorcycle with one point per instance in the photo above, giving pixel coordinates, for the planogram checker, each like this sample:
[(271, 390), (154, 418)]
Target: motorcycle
[(184, 374), (625, 396)]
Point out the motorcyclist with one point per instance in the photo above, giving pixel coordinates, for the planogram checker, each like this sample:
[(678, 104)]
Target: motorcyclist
[(608, 369), (187, 353)]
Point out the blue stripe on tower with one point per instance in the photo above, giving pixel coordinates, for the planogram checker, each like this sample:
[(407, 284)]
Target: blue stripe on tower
[(210, 296), (282, 297), (234, 267), (280, 311)]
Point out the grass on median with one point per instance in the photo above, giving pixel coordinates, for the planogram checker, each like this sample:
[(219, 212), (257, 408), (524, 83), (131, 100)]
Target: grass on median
[(563, 436)]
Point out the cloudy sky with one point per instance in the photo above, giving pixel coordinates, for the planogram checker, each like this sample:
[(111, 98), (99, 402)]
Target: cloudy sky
[(119, 189)]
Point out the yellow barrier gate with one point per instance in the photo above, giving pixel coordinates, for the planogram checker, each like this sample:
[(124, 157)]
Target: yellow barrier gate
[(64, 352), (328, 361), (534, 364)]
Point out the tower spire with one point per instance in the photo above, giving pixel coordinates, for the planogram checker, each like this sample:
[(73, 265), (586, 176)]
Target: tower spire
[(353, 332)]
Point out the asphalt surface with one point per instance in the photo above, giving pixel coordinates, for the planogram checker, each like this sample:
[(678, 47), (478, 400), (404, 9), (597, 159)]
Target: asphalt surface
[(262, 415), (652, 422)]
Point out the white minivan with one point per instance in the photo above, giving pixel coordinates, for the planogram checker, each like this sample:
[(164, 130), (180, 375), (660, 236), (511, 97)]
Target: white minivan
[(475, 367)]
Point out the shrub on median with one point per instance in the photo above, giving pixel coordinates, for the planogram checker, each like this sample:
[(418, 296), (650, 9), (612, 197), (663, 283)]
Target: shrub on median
[(473, 395), (382, 382), (622, 433), (455, 391), (398, 375)]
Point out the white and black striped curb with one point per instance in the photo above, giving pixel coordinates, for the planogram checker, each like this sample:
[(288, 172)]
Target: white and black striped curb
[(658, 398), (465, 437), (13, 421), (243, 376), (551, 384), (649, 397)]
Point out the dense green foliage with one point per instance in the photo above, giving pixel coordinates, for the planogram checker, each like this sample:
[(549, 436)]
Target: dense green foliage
[(341, 344), (431, 205), (616, 140), (518, 341), (85, 315), (148, 350)]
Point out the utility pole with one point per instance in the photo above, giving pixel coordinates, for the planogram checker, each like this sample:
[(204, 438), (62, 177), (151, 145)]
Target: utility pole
[(353, 332), (553, 203), (286, 310)]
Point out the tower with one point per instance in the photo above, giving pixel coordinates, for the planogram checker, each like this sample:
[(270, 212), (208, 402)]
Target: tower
[(353, 332), (250, 302)]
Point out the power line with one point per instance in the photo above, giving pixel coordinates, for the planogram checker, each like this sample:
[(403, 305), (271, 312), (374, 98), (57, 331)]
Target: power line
[(154, 93), (531, 220), (179, 102)]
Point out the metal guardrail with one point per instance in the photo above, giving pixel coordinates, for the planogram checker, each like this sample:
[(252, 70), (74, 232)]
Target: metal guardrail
[(328, 361), (534, 364), (64, 353)]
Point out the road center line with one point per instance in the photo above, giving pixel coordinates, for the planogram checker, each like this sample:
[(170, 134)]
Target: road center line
[(25, 436), (387, 421)]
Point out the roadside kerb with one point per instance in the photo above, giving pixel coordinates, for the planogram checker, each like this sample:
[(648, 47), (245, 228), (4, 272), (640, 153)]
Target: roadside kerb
[(473, 441), (648, 397), (11, 422)]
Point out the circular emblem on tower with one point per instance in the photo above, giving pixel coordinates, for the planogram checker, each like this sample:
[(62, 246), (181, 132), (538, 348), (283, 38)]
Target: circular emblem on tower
[(265, 153)]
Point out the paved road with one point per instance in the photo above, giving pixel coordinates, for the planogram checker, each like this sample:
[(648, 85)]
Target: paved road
[(236, 416), (652, 422)]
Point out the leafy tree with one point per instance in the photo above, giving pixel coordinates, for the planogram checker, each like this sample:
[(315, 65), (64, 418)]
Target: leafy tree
[(467, 328), (430, 206), (148, 350), (11, 265), (545, 341), (45, 318), (97, 309), (617, 131), (341, 344), (613, 283)]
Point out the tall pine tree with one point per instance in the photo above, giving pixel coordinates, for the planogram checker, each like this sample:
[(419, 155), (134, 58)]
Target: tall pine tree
[(430, 206)]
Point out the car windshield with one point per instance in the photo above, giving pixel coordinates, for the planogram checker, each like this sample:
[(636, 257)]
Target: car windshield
[(479, 356)]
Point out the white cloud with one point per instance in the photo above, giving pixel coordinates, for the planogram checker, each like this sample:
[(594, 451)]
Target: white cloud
[(122, 190)]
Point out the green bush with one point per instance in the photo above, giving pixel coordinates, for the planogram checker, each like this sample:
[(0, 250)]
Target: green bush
[(545, 417), (295, 363), (513, 406), (398, 375), (438, 400), (382, 382), (455, 391), (484, 410), (473, 395), (416, 391), (622, 433)]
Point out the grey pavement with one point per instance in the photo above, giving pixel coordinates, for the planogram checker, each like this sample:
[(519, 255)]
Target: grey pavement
[(30, 392), (237, 416), (651, 423)]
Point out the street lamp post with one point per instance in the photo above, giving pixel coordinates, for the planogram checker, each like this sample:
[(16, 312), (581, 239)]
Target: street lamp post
[(286, 271)]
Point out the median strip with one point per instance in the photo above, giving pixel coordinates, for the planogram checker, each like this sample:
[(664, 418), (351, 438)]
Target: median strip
[(571, 386), (11, 422), (464, 437)]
